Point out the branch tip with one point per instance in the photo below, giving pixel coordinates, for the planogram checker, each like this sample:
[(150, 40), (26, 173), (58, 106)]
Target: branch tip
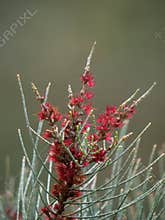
[(87, 67), (18, 76)]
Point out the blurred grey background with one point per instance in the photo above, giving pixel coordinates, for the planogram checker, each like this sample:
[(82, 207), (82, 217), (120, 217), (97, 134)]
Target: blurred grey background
[(52, 43)]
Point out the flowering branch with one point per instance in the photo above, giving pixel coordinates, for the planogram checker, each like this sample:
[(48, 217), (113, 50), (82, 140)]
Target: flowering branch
[(80, 143)]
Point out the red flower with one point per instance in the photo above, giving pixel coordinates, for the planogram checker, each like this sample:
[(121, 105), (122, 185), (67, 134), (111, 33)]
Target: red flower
[(88, 79), (109, 120), (49, 113), (76, 152), (45, 211), (130, 111), (87, 108), (41, 116), (108, 137), (93, 137), (55, 152), (59, 189), (86, 127), (111, 110), (65, 172), (79, 178), (55, 116), (116, 122), (76, 101), (103, 119), (47, 134), (68, 142), (88, 95), (85, 163), (74, 194), (74, 114), (99, 156)]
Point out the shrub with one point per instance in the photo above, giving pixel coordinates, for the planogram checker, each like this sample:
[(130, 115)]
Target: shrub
[(83, 148)]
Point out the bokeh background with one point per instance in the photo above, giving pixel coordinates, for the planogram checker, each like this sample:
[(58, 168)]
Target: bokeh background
[(53, 45)]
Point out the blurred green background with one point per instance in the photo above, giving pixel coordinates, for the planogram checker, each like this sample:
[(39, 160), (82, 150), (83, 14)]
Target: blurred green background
[(53, 45)]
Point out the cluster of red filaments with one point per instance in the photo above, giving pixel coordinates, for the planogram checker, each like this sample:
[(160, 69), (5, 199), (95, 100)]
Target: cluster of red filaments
[(78, 140)]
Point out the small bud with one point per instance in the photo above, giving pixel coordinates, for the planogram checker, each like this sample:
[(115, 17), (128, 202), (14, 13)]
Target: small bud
[(37, 94)]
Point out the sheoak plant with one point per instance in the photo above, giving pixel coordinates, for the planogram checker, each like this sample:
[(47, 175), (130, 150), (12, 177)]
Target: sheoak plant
[(83, 145)]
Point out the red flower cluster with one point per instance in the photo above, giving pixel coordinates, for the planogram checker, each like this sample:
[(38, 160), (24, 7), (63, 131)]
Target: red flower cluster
[(68, 152), (49, 113), (113, 118), (88, 79)]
